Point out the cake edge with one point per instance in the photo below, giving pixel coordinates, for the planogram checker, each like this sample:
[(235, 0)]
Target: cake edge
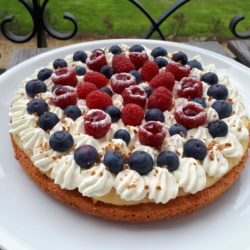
[(132, 213)]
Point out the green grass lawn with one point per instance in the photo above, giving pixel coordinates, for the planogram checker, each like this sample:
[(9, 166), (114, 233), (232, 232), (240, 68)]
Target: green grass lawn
[(198, 18)]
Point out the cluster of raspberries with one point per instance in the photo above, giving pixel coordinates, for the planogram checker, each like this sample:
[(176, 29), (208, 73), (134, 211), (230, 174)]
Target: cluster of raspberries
[(97, 89)]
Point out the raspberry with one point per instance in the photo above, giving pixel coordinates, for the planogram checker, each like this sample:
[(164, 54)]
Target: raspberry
[(96, 60), (64, 76), (97, 123), (152, 134), (97, 78), (164, 79), (98, 100), (84, 88), (134, 94), (149, 70), (132, 114), (178, 70), (190, 115), (121, 81), (190, 88), (161, 98), (64, 96), (121, 64), (138, 58)]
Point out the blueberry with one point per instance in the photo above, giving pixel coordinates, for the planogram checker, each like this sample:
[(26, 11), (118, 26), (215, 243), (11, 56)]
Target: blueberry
[(61, 141), (114, 113), (55, 87), (218, 91), (107, 70), (223, 108), (154, 115), (148, 91), (106, 90), (34, 87), (200, 101), (180, 57), (137, 75), (177, 129), (86, 156), (195, 148), (80, 71), (47, 120), (210, 78), (136, 48), (141, 162), (195, 64), (114, 161), (44, 74), (122, 134), (80, 55), (217, 128), (161, 62), (100, 50), (158, 51), (115, 50), (72, 112), (37, 106), (59, 63), (168, 159)]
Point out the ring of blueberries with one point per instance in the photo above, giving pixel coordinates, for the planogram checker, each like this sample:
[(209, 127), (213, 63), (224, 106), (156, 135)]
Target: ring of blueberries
[(142, 162)]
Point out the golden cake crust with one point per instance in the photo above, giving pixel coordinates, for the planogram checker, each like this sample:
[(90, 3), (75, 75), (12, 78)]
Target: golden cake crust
[(133, 213)]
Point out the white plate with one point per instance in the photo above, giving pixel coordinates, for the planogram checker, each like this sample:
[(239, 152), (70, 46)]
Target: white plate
[(30, 219)]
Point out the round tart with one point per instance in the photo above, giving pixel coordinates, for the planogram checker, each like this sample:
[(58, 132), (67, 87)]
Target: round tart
[(132, 134)]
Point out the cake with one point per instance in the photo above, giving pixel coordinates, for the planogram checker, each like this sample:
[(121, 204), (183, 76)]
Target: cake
[(129, 133)]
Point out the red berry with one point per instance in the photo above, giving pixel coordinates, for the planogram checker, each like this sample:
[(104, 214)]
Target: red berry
[(64, 76), (64, 96), (149, 70), (152, 134), (190, 115), (161, 98), (190, 88), (84, 88), (164, 79), (98, 100), (97, 78), (96, 60), (178, 70), (138, 58), (97, 123), (134, 94), (121, 63), (132, 114), (121, 81)]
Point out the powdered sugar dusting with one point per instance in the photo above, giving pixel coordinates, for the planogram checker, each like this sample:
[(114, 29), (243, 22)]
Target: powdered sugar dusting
[(102, 123)]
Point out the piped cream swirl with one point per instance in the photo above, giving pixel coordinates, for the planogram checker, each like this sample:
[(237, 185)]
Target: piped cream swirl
[(200, 133), (215, 164), (190, 175), (174, 143), (236, 127), (162, 185), (45, 158), (33, 137), (130, 185), (66, 173), (21, 123), (211, 114), (96, 181), (229, 146)]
